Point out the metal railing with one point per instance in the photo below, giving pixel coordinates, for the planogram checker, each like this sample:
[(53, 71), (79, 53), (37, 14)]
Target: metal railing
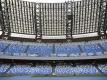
[(53, 19)]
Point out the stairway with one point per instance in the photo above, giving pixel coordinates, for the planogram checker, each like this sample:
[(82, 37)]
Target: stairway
[(96, 66), (9, 68)]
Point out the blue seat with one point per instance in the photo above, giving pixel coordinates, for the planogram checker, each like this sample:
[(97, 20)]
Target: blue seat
[(103, 68), (27, 69), (78, 70), (69, 50), (2, 47), (3, 67), (91, 49), (15, 49), (104, 45), (64, 70), (40, 50), (41, 70), (19, 69)]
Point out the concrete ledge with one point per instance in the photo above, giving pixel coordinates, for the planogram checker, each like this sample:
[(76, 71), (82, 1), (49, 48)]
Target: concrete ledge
[(53, 58)]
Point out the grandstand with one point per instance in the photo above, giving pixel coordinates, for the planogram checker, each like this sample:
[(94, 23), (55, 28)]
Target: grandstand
[(65, 39)]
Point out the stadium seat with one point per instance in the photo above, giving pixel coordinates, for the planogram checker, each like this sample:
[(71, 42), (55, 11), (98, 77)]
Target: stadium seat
[(67, 50), (91, 49), (64, 70), (40, 50), (47, 50), (15, 49), (27, 69), (78, 70), (103, 68), (41, 69), (19, 69), (85, 69), (3, 68), (46, 69), (2, 47), (104, 46)]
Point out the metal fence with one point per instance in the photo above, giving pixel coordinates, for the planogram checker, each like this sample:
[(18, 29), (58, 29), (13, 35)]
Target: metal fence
[(53, 19)]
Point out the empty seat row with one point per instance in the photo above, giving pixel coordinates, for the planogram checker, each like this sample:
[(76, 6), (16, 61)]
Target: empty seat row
[(15, 49), (67, 50), (91, 49), (47, 69), (47, 50), (27, 69), (40, 51), (4, 67), (78, 70)]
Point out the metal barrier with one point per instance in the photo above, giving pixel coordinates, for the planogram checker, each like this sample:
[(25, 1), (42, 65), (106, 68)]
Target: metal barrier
[(53, 19)]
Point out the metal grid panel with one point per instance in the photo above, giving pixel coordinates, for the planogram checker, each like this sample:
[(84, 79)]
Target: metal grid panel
[(4, 21), (21, 16), (105, 17), (85, 16), (53, 19), (1, 16), (102, 23)]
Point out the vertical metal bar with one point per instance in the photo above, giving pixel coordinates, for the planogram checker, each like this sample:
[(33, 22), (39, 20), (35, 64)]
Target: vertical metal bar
[(14, 24), (27, 19), (43, 16), (40, 20), (66, 13), (75, 27), (93, 16), (22, 22), (35, 21), (30, 14), (48, 15), (96, 17), (53, 15), (77, 18), (80, 16), (7, 22), (63, 6), (45, 20), (90, 18), (99, 21), (61, 20), (58, 30), (30, 9), (105, 21), (4, 16), (2, 19), (17, 29), (8, 17), (78, 31), (19, 10), (73, 32), (56, 18), (86, 27), (10, 12), (85, 17), (71, 18)]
